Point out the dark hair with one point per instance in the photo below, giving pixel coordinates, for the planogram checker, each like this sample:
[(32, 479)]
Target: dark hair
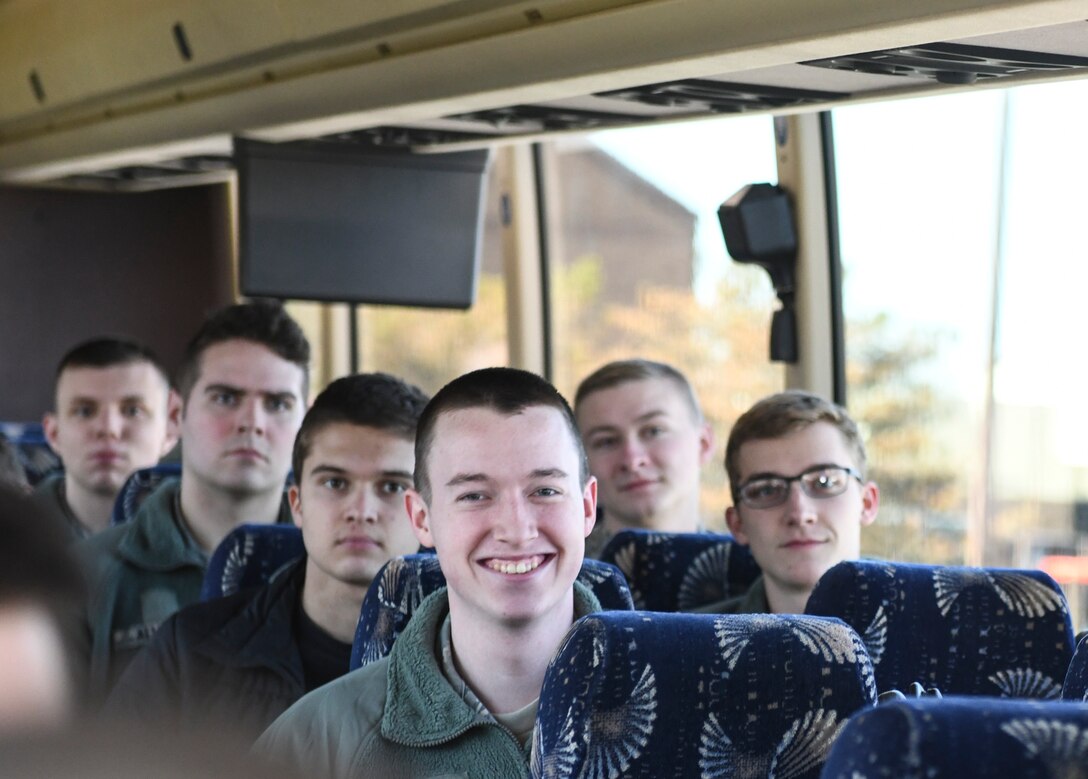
[(36, 560), (367, 399), (107, 351), (265, 322), (12, 472), (783, 413), (622, 371), (506, 390)]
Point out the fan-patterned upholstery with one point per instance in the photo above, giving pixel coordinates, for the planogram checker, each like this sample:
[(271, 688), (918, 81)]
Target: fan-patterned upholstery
[(1075, 686), (966, 631), (963, 738), (648, 695), (680, 571), (138, 486), (405, 581), (36, 456), (248, 557)]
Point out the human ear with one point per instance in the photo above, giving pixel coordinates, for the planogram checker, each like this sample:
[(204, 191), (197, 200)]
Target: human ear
[(49, 427), (870, 502), (589, 505), (736, 525), (173, 421), (419, 516), (294, 499), (706, 443)]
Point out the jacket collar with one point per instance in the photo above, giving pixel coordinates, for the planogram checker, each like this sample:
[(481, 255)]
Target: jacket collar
[(155, 540), (421, 708), (755, 600)]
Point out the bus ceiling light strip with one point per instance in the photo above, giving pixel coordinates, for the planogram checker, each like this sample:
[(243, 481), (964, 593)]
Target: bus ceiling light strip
[(758, 226)]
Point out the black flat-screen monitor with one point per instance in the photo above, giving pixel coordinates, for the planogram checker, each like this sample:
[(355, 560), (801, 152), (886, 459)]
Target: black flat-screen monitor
[(339, 222)]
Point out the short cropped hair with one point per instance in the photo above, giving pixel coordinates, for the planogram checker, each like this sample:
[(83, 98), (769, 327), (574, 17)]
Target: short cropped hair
[(622, 371), (264, 322), (365, 399), (12, 472), (505, 390), (783, 413), (106, 352)]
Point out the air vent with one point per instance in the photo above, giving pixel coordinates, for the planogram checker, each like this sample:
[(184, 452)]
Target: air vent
[(538, 118), (953, 63), (197, 169), (401, 137), (720, 97)]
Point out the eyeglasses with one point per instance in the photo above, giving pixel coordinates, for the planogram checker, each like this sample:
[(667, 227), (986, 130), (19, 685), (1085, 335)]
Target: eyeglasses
[(822, 481)]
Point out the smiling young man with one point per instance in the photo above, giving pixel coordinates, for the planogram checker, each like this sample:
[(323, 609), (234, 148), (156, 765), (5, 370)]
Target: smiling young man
[(113, 416), (504, 496), (238, 662), (647, 442), (796, 467), (243, 386)]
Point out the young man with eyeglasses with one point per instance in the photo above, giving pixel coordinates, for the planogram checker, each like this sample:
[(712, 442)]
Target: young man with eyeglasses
[(796, 467)]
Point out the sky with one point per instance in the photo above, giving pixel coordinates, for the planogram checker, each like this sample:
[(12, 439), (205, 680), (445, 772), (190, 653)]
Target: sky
[(701, 164), (925, 221)]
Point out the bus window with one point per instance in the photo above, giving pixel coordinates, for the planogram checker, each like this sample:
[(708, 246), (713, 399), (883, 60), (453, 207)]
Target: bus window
[(638, 265), (963, 264)]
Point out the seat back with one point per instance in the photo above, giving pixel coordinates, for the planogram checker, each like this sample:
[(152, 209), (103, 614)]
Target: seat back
[(680, 571), (404, 582), (965, 631), (963, 738), (36, 456), (138, 486), (248, 557), (1075, 686), (641, 694)]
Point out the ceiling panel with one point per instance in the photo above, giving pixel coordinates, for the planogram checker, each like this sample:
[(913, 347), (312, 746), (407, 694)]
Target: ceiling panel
[(522, 72)]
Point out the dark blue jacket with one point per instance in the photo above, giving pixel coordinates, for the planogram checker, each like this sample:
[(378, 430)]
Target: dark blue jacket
[(228, 663)]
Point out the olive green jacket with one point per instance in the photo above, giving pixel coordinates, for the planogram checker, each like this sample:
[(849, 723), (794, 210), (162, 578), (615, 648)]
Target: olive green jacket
[(138, 574), (754, 601), (399, 716)]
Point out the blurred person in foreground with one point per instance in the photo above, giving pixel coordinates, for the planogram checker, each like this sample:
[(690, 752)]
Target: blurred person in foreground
[(40, 593), (12, 473)]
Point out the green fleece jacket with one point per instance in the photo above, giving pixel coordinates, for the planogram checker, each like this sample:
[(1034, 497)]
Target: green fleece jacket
[(138, 575), (399, 717)]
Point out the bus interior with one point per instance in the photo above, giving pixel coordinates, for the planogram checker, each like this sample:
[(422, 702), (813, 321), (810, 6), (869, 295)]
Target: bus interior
[(928, 150)]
